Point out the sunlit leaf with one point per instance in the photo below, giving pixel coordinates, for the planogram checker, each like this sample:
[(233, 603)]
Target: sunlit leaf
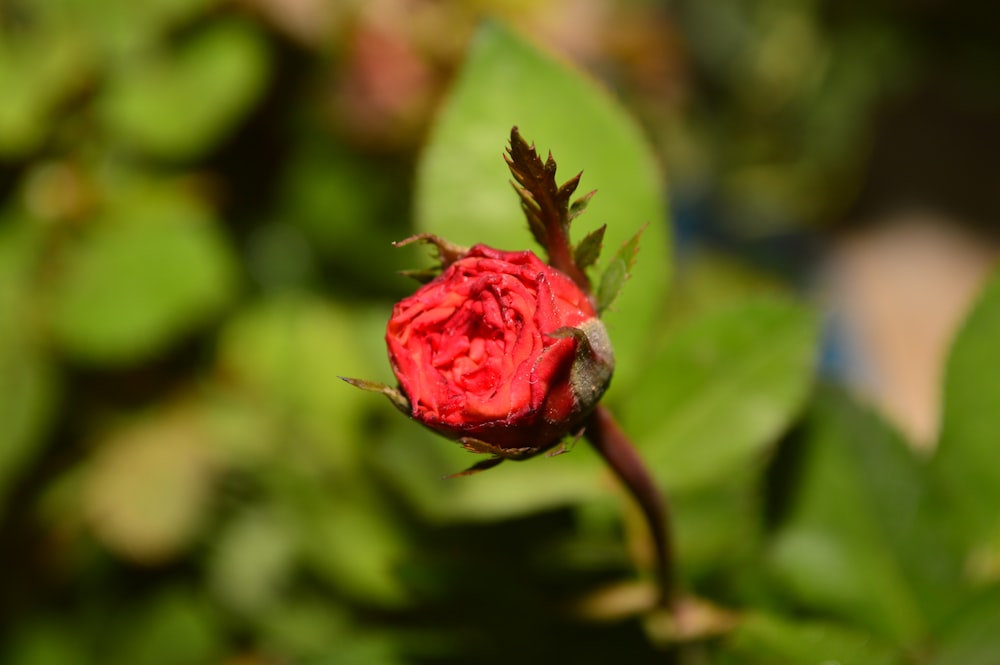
[(463, 190), (308, 628), (718, 529), (970, 636), (147, 492), (60, 62), (28, 381), (27, 400), (764, 639), (618, 271), (251, 561), (148, 272), (118, 29), (855, 543), (177, 106), (289, 352), (417, 461), (174, 627), (35, 640), (349, 207), (348, 538), (722, 390), (588, 250), (968, 456)]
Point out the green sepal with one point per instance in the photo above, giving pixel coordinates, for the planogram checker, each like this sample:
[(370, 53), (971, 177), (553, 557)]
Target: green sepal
[(579, 206), (482, 465), (618, 272), (447, 253), (588, 250), (397, 398), (423, 275), (594, 363)]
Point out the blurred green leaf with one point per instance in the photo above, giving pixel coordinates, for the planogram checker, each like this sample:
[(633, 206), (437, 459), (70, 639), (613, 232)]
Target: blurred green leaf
[(417, 461), (718, 529), (119, 29), (710, 280), (150, 270), (968, 455), (314, 631), (617, 273), (351, 207), (28, 383), (345, 535), (463, 190), (289, 352), (722, 390), (351, 544), (59, 64), (175, 627), (970, 636), (27, 399), (855, 543), (147, 491), (763, 639), (40, 641), (588, 250), (180, 105), (251, 561), (301, 627)]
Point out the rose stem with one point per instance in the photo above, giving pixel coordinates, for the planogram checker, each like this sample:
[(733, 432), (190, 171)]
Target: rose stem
[(561, 256), (613, 444)]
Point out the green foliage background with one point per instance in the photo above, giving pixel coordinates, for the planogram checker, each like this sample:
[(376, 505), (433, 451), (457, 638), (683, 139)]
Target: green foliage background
[(195, 234)]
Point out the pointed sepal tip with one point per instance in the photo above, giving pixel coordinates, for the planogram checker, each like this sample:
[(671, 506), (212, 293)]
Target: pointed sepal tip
[(397, 398)]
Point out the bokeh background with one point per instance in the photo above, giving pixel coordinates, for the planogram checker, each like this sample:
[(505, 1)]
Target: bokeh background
[(197, 201)]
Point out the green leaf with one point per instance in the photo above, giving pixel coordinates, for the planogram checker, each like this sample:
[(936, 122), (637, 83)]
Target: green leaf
[(28, 385), (179, 106), (856, 542), (718, 530), (349, 544), (146, 493), (308, 628), (764, 639), (463, 192), (349, 208), (416, 461), (722, 390), (34, 640), (579, 206), (119, 29), (151, 270), (344, 534), (37, 72), (289, 351), (27, 403), (588, 250), (970, 636), (172, 627), (617, 273), (251, 561), (968, 455)]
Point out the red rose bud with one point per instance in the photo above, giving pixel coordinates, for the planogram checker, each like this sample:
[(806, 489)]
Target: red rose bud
[(501, 351)]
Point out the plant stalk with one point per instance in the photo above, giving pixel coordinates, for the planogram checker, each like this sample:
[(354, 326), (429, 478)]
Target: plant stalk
[(607, 436)]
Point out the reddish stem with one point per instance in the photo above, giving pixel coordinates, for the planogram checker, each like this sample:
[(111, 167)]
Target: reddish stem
[(561, 257), (613, 444)]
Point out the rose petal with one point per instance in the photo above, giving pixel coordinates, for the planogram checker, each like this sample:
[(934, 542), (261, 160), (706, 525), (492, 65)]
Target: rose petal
[(472, 353)]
